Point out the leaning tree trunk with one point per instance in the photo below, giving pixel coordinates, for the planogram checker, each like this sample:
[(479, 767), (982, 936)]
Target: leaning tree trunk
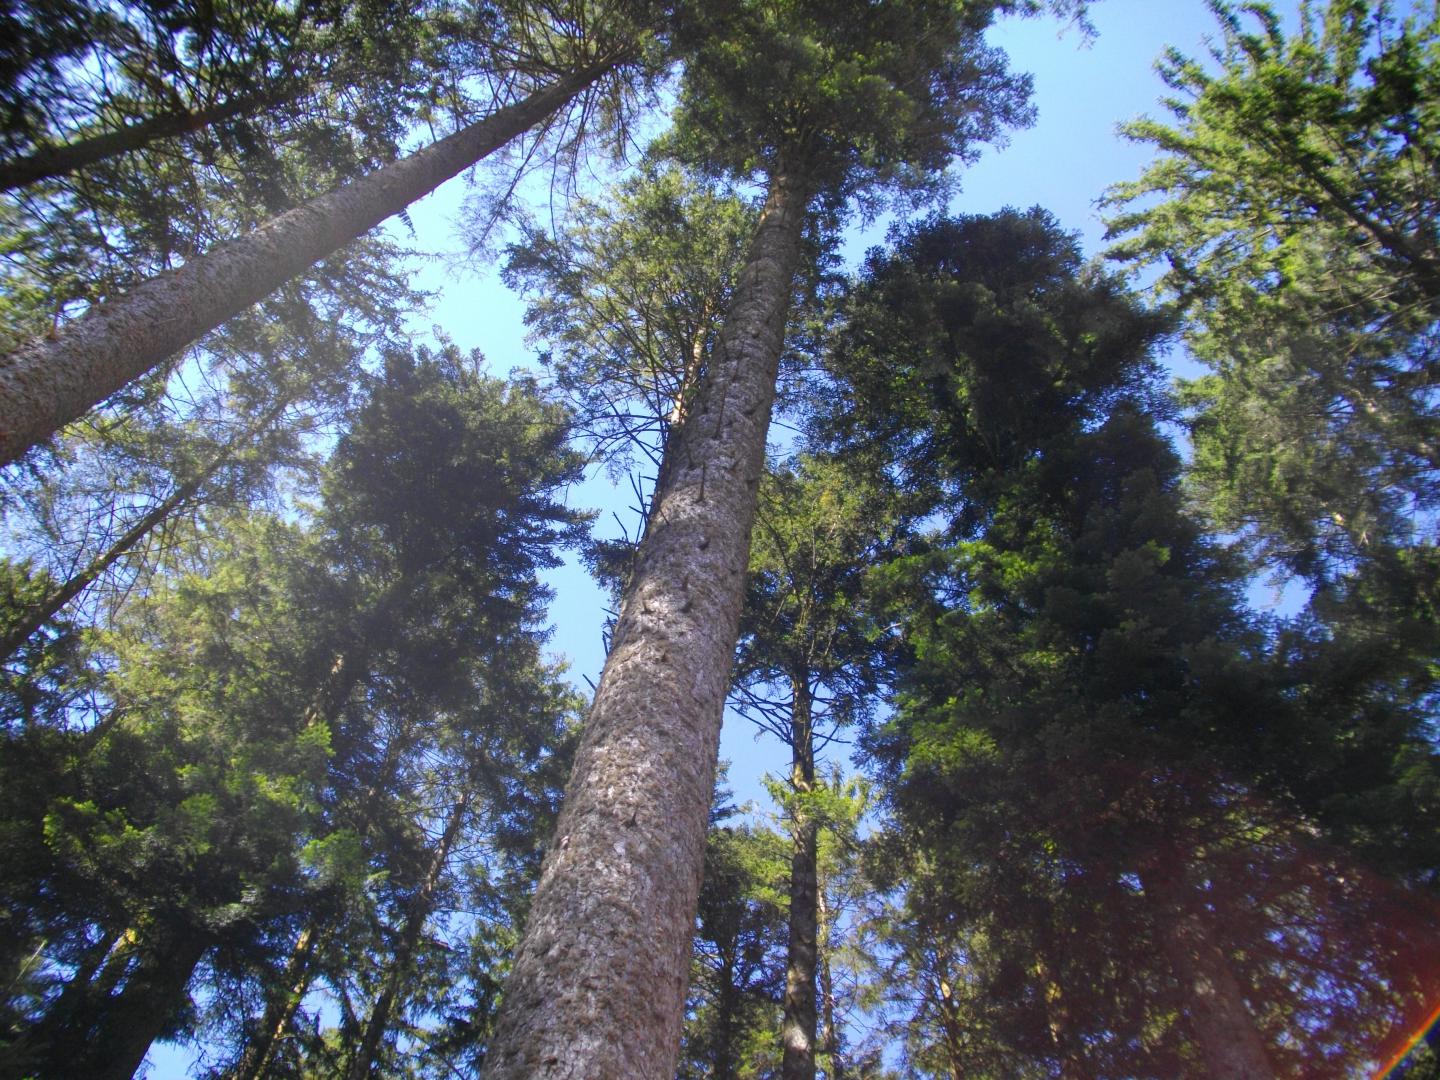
[(417, 912), (139, 1014), (52, 381), (108, 1037), (1214, 1004), (50, 605), (598, 987), (281, 1008), (798, 1027), (48, 161)]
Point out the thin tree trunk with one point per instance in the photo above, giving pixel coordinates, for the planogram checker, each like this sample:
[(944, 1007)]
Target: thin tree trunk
[(51, 161), (280, 1010), (52, 381), (728, 1007), (416, 914), (694, 364), (50, 606), (951, 1024), (797, 1030), (598, 987), (1215, 1009), (829, 1029)]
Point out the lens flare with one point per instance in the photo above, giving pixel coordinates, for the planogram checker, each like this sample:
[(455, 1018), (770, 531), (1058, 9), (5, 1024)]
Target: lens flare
[(1393, 1062)]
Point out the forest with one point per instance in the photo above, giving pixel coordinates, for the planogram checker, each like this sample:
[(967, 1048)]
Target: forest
[(293, 780)]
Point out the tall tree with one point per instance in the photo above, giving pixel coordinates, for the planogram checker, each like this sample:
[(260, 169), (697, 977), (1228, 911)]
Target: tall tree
[(242, 677), (55, 379), (774, 91), (808, 666), (1086, 725)]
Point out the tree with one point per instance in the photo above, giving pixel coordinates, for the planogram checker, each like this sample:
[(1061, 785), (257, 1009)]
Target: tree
[(629, 300), (737, 976), (51, 381), (808, 666), (176, 71), (1092, 801), (256, 689), (775, 91), (1292, 211)]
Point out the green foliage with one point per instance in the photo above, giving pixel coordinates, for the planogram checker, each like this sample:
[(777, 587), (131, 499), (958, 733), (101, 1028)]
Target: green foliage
[(852, 98), (1293, 213), (628, 301), (738, 970), (294, 704), (1084, 705)]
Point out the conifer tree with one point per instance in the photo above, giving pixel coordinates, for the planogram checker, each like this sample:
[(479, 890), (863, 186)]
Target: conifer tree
[(774, 92)]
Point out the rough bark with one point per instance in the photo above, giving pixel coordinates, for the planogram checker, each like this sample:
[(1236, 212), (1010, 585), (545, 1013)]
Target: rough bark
[(52, 381), (417, 912), (50, 606), (1222, 1025), (598, 987), (70, 157), (798, 1027)]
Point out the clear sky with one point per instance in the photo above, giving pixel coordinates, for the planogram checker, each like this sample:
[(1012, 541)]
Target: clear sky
[(1083, 90)]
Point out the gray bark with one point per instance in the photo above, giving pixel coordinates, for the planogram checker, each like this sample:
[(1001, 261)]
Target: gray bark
[(1215, 1009), (52, 381), (798, 1027), (598, 987)]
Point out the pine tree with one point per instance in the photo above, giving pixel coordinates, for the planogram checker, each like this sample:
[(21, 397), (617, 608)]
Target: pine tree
[(761, 95)]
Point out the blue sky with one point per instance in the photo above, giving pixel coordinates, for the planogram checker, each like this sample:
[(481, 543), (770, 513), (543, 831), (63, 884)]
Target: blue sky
[(1083, 91)]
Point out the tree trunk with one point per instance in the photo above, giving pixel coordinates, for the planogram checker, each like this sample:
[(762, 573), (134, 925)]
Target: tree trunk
[(109, 1034), (138, 1015), (52, 381), (829, 1029), (50, 606), (416, 914), (952, 1027), (280, 1010), (1215, 1009), (51, 161), (598, 987), (726, 1022), (798, 1027)]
